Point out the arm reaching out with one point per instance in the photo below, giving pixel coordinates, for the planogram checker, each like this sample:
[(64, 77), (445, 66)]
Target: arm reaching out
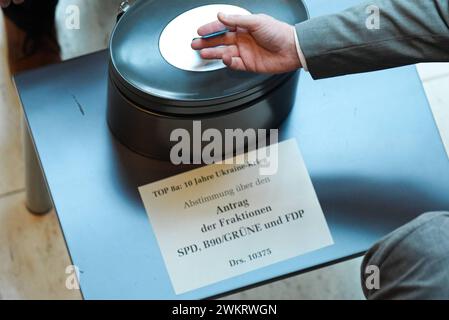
[(410, 31), (255, 43)]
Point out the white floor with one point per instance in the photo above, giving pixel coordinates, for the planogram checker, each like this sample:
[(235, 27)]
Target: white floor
[(33, 257)]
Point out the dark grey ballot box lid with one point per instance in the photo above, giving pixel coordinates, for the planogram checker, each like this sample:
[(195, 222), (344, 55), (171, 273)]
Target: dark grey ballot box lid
[(369, 141)]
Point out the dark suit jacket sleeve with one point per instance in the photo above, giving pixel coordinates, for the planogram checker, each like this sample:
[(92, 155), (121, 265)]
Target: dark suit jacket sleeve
[(411, 31)]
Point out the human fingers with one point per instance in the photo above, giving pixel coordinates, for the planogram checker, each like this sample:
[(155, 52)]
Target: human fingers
[(226, 39), (219, 52), (248, 22), (235, 63), (211, 28)]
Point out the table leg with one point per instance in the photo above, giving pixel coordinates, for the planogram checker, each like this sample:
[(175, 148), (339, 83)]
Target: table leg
[(37, 197)]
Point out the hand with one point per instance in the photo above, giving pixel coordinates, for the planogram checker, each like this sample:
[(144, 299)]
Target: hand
[(255, 43), (6, 3)]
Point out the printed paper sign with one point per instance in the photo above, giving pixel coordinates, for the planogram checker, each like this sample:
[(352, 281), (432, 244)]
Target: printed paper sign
[(221, 221)]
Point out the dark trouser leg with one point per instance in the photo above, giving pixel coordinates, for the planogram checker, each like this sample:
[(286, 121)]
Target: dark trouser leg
[(31, 33), (35, 17), (413, 261), (37, 198)]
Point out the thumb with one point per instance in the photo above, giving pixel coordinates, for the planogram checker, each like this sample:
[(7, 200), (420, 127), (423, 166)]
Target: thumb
[(250, 22)]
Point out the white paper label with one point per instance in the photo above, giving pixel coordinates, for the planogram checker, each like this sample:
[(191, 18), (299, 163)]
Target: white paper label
[(221, 221)]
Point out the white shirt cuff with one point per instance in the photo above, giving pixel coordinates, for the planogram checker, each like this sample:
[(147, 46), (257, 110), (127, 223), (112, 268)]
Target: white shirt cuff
[(302, 58)]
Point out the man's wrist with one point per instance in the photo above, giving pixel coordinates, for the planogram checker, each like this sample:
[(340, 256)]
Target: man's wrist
[(301, 55)]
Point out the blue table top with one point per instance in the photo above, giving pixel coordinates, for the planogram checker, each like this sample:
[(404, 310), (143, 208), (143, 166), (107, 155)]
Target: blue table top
[(369, 141)]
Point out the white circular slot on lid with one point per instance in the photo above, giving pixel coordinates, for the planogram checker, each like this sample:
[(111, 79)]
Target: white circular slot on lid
[(176, 39)]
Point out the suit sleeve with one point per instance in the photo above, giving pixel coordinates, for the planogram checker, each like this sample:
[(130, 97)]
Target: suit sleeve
[(410, 31)]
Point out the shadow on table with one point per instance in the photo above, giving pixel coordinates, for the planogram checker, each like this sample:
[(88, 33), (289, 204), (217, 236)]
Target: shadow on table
[(375, 205), (135, 170)]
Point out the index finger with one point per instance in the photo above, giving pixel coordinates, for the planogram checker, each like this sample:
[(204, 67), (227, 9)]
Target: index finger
[(211, 28)]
